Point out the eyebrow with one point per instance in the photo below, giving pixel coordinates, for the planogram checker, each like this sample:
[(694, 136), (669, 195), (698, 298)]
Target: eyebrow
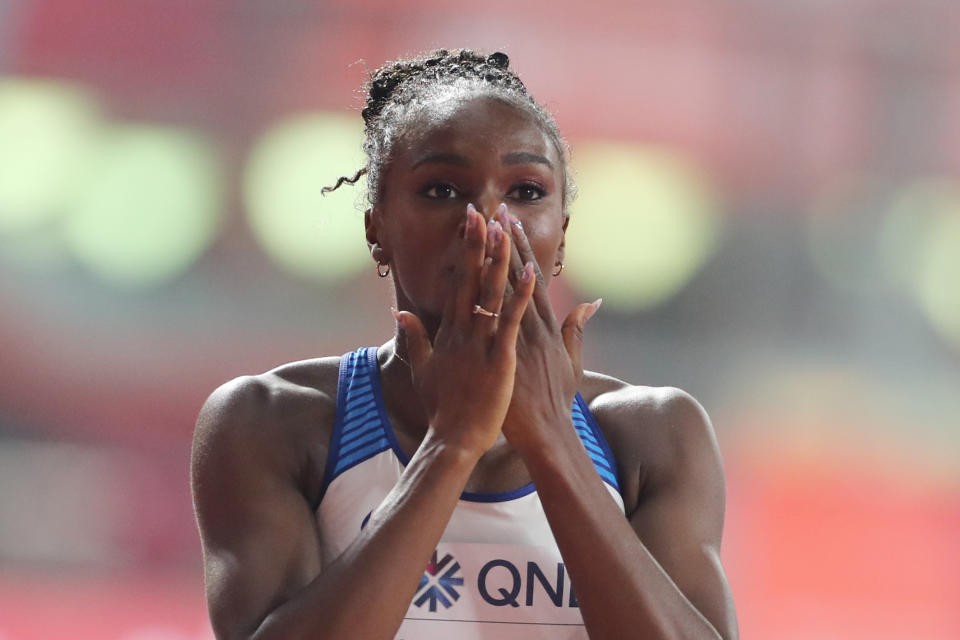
[(439, 157), (517, 157), (523, 157)]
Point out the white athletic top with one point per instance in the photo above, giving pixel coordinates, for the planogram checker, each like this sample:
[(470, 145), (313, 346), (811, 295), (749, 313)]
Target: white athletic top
[(497, 571)]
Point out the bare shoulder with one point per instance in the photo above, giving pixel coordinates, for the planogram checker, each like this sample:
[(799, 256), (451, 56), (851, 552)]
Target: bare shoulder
[(655, 432), (283, 416), (276, 400), (672, 482), (641, 412)]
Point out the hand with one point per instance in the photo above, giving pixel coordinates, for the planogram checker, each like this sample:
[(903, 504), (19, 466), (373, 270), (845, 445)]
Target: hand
[(549, 355), (466, 377)]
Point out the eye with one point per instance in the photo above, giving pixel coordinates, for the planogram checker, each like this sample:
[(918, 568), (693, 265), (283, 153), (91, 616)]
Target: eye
[(441, 191), (527, 191)]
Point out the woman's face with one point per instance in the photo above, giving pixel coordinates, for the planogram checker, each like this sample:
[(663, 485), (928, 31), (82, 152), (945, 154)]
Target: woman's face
[(478, 150)]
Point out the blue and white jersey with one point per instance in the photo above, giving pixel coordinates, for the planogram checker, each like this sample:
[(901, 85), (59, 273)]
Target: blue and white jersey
[(497, 571)]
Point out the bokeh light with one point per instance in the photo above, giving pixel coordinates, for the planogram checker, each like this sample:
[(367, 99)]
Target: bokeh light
[(150, 207), (939, 284), (920, 246), (304, 232), (46, 128), (644, 223)]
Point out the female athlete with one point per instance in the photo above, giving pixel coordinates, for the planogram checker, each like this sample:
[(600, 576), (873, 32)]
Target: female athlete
[(467, 479)]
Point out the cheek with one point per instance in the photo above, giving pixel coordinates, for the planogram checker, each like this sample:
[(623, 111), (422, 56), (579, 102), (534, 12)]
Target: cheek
[(545, 240), (546, 257), (420, 234), (424, 249)]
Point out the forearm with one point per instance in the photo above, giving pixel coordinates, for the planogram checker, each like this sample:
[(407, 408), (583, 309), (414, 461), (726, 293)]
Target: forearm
[(622, 590), (384, 563)]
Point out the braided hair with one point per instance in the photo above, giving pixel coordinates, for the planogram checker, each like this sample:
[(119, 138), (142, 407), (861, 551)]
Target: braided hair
[(396, 88)]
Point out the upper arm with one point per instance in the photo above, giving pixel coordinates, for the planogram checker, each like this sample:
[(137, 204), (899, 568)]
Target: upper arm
[(260, 541), (680, 513)]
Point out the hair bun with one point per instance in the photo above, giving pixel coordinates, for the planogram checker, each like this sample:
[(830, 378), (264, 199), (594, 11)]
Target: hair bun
[(382, 87), (499, 60)]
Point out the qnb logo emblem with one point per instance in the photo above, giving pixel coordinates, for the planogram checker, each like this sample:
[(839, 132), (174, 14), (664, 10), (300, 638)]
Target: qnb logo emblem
[(438, 583)]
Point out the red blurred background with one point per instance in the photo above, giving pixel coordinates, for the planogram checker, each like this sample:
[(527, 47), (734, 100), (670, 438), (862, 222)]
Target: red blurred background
[(821, 328)]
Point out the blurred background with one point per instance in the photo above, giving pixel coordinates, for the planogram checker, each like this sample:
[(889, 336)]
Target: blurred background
[(769, 205)]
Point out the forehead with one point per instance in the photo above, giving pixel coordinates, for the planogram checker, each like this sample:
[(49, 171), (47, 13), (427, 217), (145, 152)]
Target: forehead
[(469, 125)]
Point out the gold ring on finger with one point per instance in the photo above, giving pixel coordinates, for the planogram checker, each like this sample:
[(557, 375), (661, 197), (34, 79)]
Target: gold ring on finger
[(477, 309)]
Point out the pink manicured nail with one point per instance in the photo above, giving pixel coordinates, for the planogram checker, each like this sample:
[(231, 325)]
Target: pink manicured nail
[(592, 309), (515, 222), (527, 272), (474, 219), (493, 230), (502, 215)]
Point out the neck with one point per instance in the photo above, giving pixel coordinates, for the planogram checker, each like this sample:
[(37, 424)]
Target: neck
[(396, 380), (410, 422)]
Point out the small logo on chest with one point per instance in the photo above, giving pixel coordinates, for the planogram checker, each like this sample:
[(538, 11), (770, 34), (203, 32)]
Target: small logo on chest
[(439, 583)]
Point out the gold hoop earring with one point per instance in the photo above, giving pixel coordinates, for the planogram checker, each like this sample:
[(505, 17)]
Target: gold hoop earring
[(380, 271), (559, 270)]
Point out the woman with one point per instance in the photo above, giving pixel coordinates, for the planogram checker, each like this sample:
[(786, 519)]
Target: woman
[(543, 500)]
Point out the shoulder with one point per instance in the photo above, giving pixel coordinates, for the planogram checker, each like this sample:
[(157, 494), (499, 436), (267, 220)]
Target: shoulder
[(273, 399), (640, 412), (672, 483), (282, 418), (658, 435)]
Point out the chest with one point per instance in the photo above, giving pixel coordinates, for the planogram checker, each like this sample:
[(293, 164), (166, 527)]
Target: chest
[(496, 572)]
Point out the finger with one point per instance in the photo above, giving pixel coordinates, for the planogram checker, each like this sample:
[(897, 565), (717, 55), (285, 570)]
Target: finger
[(494, 278), (415, 340), (468, 282), (540, 299), (491, 240), (515, 267), (516, 264), (514, 309), (531, 318), (572, 331)]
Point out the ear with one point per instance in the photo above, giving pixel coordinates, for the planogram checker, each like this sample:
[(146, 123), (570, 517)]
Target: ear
[(371, 223)]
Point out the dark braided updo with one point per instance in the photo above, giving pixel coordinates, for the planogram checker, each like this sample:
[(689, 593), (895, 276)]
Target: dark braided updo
[(397, 88)]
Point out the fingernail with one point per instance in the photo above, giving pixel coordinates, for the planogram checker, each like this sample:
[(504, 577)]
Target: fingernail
[(592, 309), (494, 230), (502, 214), (527, 272), (515, 223), (397, 316)]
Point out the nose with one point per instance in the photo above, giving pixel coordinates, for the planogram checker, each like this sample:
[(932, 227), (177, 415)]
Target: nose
[(487, 206)]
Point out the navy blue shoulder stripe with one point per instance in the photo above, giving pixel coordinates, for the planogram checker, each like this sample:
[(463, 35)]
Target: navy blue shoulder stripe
[(361, 428), (357, 432), (594, 442)]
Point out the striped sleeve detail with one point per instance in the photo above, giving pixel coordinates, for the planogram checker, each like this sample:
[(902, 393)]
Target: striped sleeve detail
[(358, 432), (594, 442)]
